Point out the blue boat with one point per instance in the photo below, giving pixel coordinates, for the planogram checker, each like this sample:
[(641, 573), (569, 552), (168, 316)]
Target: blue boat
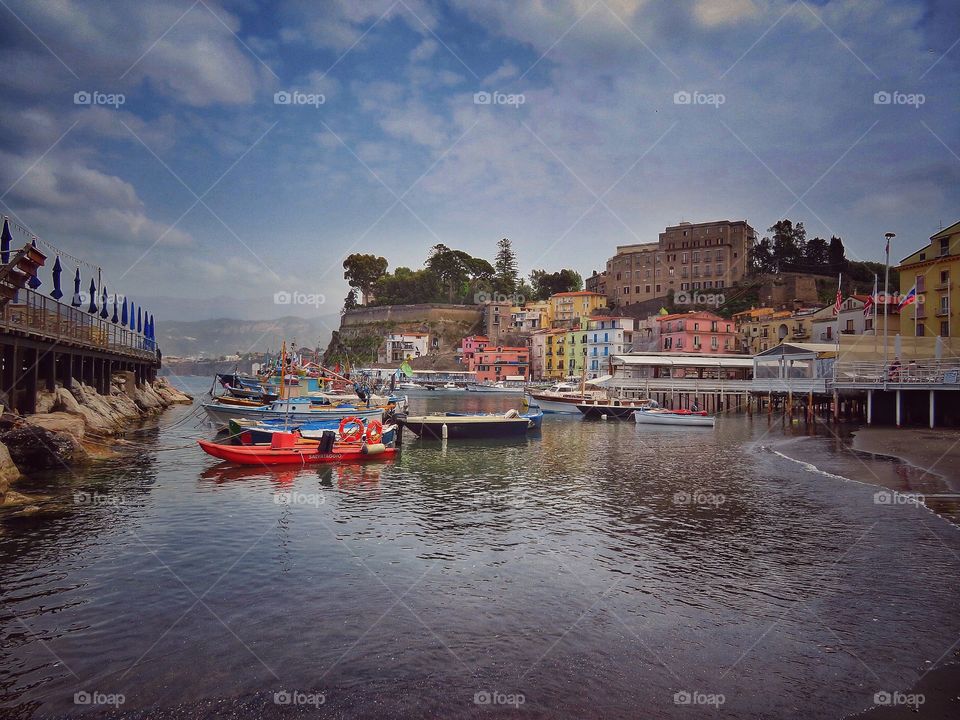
[(293, 410)]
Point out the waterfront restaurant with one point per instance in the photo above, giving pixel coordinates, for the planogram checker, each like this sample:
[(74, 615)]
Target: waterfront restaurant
[(794, 368), (717, 382)]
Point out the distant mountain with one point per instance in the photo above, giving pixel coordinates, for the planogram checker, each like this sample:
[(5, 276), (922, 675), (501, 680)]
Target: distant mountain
[(226, 336)]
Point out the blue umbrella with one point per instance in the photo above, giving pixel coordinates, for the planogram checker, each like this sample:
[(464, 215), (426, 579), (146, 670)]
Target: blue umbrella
[(77, 300), (56, 293), (116, 316), (93, 298), (139, 319), (123, 315), (104, 313), (133, 316), (5, 238), (34, 281)]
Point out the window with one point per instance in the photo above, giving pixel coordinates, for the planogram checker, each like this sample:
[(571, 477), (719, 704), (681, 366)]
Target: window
[(658, 288), (714, 343), (696, 326), (648, 289), (684, 286), (920, 330), (868, 324), (683, 257), (944, 328), (696, 341), (944, 246)]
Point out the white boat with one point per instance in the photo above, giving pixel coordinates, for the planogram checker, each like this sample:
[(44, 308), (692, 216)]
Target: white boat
[(409, 386), (451, 387), (661, 416), (497, 387), (562, 398)]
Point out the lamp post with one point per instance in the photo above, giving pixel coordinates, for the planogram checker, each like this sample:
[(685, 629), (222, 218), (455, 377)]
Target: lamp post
[(886, 300)]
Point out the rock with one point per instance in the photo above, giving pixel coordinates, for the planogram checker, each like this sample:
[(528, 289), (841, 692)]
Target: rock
[(46, 401), (60, 422), (9, 472), (14, 498), (67, 402), (35, 448)]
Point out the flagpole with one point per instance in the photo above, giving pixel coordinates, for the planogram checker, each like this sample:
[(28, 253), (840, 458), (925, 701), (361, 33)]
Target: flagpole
[(886, 300)]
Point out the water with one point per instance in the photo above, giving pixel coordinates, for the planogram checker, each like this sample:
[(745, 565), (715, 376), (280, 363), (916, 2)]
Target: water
[(595, 570)]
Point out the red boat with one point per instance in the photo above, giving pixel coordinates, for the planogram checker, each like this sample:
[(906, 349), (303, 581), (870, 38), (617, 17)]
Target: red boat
[(291, 449)]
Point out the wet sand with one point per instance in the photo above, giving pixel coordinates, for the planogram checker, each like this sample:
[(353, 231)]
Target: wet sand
[(936, 451)]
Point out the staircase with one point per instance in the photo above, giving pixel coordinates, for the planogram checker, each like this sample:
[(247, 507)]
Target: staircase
[(15, 274)]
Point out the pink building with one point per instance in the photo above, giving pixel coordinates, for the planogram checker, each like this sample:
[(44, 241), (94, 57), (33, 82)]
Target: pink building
[(501, 363), (470, 346), (697, 331)]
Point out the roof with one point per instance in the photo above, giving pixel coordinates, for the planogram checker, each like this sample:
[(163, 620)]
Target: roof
[(800, 349), (577, 293), (947, 231), (686, 360), (691, 314)]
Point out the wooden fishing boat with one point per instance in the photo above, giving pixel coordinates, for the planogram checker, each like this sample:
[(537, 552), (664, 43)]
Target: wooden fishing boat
[(292, 410), (239, 401), (252, 432), (619, 409), (306, 453), (355, 441), (661, 416), (498, 387), (561, 398), (458, 426)]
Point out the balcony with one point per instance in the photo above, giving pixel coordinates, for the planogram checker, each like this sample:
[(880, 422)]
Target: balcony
[(942, 312)]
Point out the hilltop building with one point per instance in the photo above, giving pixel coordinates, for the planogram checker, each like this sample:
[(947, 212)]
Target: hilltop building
[(398, 347), (567, 308)]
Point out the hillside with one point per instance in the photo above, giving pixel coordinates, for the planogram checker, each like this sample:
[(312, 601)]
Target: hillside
[(227, 336)]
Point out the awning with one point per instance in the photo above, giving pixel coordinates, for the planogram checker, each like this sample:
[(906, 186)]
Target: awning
[(602, 380)]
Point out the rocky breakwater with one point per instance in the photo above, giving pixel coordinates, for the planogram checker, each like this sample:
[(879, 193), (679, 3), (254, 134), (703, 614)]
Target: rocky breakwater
[(75, 426)]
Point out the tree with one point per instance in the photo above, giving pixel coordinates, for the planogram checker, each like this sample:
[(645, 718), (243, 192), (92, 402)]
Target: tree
[(350, 302), (507, 277), (363, 271), (817, 254), (761, 258), (789, 244), (546, 284), (836, 255)]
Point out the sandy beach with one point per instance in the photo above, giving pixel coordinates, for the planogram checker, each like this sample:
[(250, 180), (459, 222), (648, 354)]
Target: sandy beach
[(936, 451)]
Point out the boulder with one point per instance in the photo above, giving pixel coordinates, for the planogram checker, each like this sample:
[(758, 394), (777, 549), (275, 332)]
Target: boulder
[(60, 422), (46, 401), (13, 498), (66, 402), (35, 448), (9, 472)]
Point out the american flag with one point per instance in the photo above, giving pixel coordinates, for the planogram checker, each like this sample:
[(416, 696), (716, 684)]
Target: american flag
[(836, 305), (868, 306)]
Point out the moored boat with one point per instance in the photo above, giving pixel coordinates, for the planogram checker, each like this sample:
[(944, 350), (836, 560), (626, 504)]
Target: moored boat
[(247, 432), (661, 416), (561, 398), (497, 387), (620, 409), (458, 426), (301, 409)]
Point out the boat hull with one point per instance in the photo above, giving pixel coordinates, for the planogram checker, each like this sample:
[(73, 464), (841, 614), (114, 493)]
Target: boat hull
[(566, 406), (470, 427), (297, 455), (646, 417), (595, 412), (264, 432)]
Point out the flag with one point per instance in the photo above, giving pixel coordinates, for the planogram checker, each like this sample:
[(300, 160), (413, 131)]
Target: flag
[(870, 301), (909, 299), (836, 305), (406, 369), (663, 311)]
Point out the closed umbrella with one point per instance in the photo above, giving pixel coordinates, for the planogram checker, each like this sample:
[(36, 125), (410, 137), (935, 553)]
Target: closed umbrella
[(34, 282), (5, 238), (123, 314), (116, 312), (139, 319), (93, 298), (56, 293), (104, 302), (77, 299)]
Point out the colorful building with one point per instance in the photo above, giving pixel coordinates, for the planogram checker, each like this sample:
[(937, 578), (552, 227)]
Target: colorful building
[(932, 270), (567, 308), (555, 355), (575, 340), (697, 332), (403, 346), (538, 349), (763, 328), (530, 317), (495, 363), (607, 336), (470, 346)]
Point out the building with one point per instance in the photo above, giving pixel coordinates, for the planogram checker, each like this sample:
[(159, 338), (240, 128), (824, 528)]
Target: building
[(760, 329), (567, 308), (575, 341), (494, 363), (852, 321), (403, 346), (555, 355), (530, 317), (538, 349), (495, 317), (697, 332), (932, 270), (688, 256), (470, 346), (597, 282), (607, 336)]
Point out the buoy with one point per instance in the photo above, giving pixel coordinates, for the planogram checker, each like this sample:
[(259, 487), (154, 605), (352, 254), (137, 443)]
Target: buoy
[(443, 431), (603, 417)]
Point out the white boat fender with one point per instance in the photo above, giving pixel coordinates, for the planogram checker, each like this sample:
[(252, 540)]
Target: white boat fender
[(511, 413), (374, 449), (443, 431)]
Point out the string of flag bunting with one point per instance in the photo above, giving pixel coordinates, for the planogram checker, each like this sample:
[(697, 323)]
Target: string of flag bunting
[(96, 301)]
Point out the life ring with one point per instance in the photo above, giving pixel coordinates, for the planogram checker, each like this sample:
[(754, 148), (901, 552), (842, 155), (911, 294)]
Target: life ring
[(356, 429), (374, 432)]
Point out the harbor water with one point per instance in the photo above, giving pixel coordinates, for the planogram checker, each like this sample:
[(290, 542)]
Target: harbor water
[(594, 569)]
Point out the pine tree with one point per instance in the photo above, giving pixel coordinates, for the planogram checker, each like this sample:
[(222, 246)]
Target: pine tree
[(507, 277)]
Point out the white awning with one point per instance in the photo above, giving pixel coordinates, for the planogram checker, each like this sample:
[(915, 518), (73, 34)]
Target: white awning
[(691, 360), (602, 380)]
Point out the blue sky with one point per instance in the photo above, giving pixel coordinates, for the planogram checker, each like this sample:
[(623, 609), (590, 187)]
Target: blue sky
[(204, 196)]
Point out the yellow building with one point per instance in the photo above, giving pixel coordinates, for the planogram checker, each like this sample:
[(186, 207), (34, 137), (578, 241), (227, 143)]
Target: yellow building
[(555, 355), (568, 307), (763, 328), (932, 270)]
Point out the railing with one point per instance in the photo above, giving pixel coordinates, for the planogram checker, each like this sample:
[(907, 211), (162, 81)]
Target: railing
[(41, 315), (920, 372), (686, 385)]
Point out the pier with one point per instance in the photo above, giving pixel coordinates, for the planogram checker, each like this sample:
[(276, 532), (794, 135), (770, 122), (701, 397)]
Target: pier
[(45, 342)]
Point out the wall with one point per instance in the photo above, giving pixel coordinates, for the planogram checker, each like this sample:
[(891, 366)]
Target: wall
[(411, 313)]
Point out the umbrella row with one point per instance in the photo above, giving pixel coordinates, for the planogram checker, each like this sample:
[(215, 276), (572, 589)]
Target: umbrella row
[(125, 313)]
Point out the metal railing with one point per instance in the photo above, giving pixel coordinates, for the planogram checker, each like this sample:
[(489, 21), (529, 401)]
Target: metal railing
[(685, 385), (920, 372), (40, 315)]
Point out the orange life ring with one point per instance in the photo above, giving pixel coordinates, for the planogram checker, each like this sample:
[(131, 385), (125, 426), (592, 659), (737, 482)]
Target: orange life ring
[(374, 432), (356, 431)]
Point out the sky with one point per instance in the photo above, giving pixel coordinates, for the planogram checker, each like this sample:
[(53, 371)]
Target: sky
[(222, 158)]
